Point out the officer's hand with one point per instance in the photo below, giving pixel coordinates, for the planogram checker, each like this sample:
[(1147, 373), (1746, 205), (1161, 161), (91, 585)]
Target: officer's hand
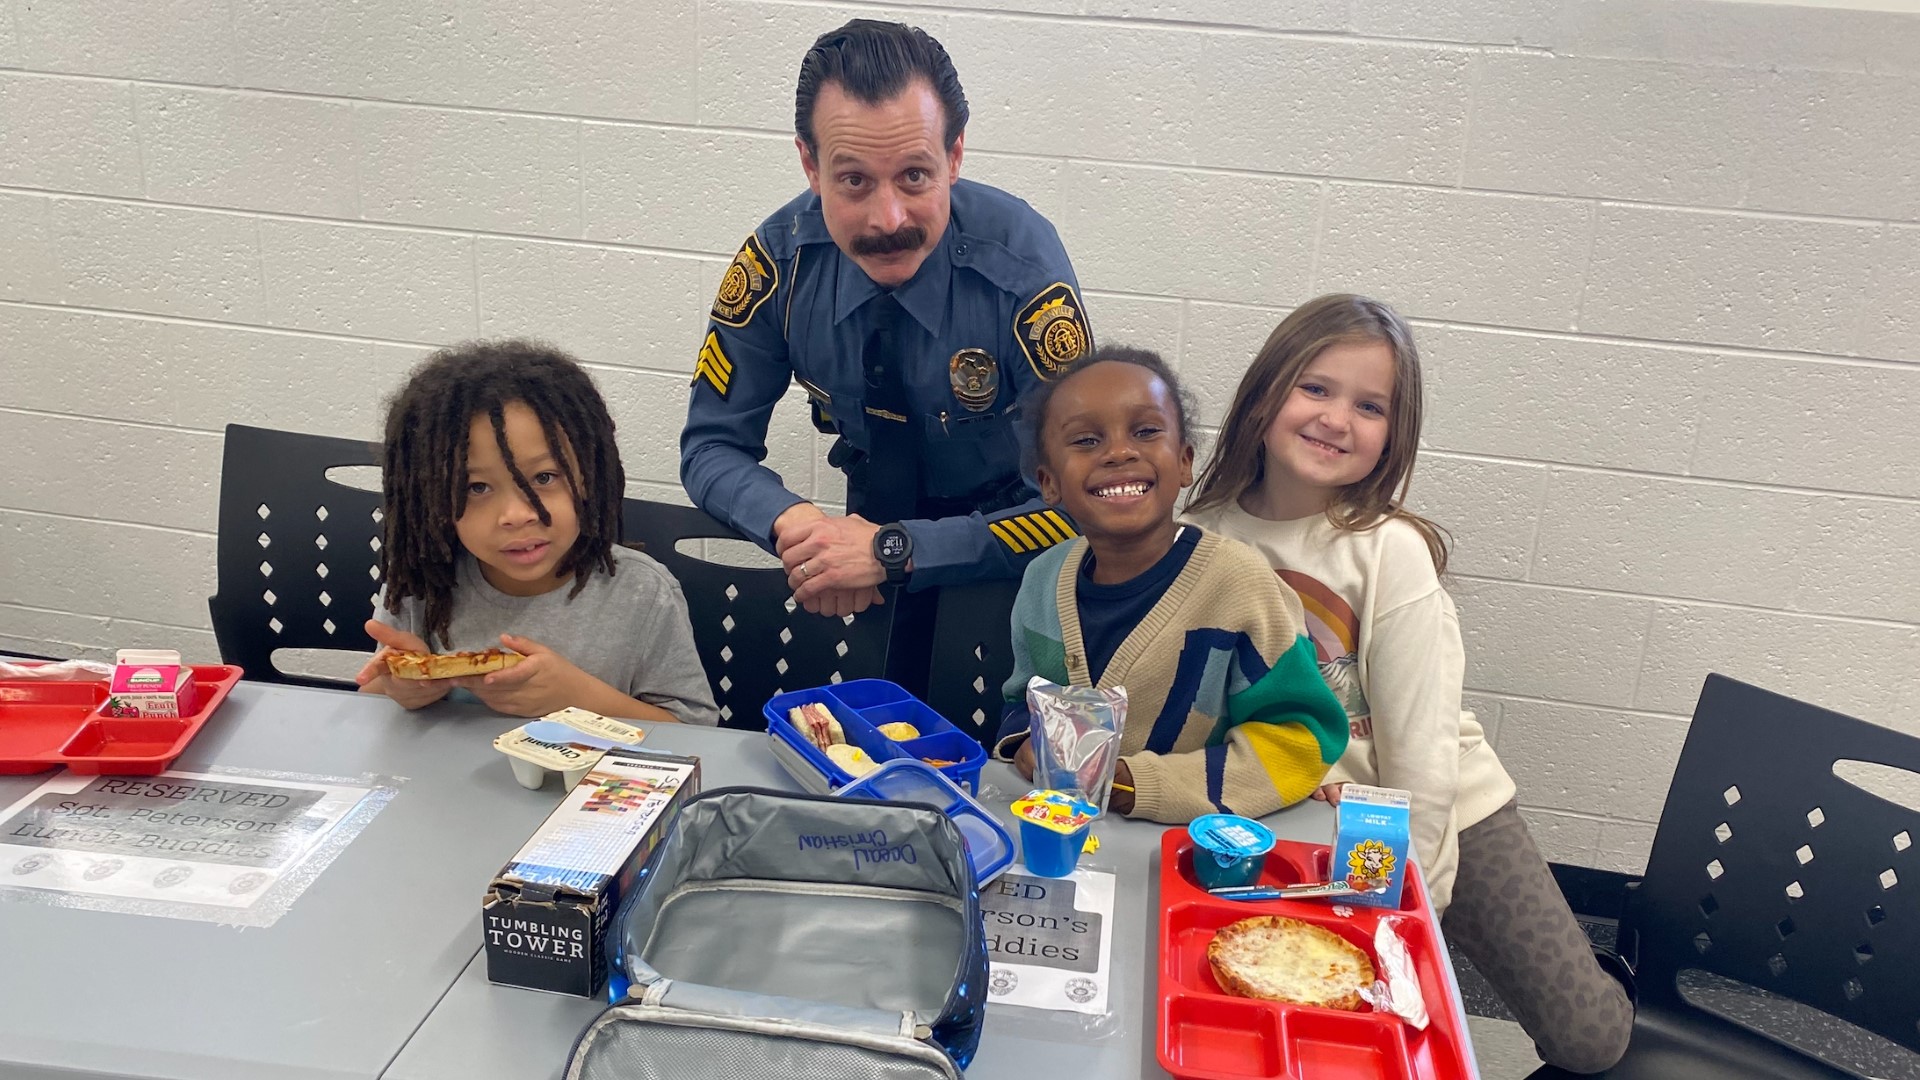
[(828, 555), (790, 521), (838, 602)]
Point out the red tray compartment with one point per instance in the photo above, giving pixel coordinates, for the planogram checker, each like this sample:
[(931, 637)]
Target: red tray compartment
[(44, 725), (1228, 1038), (1321, 1042), (1208, 1035)]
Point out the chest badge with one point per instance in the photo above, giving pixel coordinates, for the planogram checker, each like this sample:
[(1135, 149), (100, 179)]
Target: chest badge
[(975, 378)]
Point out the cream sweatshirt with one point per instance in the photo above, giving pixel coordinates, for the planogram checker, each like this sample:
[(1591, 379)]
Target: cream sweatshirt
[(1388, 643)]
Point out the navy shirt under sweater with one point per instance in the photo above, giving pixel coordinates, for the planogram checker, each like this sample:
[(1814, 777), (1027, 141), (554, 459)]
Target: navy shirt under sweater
[(1108, 613)]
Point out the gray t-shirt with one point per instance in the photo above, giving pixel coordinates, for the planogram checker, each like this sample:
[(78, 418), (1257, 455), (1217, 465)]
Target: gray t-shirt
[(630, 630)]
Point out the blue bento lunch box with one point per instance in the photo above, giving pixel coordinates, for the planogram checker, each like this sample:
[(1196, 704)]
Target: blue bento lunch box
[(861, 705), (989, 844)]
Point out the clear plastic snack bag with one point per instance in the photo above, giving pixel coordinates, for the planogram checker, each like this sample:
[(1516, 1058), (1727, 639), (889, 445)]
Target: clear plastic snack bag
[(1076, 737)]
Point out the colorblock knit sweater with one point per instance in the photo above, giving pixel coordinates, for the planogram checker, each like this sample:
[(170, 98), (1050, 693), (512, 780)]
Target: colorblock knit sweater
[(1226, 710)]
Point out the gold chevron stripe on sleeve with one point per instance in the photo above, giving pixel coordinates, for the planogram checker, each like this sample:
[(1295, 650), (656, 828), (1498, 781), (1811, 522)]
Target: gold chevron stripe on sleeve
[(1060, 524), (1023, 527), (713, 365), (1043, 525), (1008, 537)]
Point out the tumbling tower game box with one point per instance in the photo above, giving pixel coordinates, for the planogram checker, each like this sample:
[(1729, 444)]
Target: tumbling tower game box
[(546, 912)]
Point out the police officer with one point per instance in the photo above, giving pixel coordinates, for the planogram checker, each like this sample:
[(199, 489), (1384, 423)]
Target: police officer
[(914, 308)]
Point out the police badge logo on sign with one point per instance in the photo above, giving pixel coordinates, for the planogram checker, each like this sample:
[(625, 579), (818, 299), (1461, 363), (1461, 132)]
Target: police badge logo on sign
[(750, 279), (1052, 330)]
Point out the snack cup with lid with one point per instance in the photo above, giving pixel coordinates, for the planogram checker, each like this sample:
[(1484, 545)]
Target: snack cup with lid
[(1053, 829), (1228, 850)]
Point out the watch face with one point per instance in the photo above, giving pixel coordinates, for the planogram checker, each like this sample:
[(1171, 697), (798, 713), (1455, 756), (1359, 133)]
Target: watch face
[(893, 545)]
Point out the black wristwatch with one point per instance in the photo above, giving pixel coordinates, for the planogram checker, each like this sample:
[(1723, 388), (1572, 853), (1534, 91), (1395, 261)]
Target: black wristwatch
[(893, 549)]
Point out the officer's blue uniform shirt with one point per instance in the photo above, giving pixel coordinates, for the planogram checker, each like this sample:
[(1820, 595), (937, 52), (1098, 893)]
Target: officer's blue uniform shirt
[(793, 307)]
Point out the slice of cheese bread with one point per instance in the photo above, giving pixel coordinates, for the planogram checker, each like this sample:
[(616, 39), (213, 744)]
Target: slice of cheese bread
[(1276, 958)]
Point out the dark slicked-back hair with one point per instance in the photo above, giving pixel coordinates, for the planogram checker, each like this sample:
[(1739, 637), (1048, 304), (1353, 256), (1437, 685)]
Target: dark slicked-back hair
[(1033, 405), (873, 62), (424, 478)]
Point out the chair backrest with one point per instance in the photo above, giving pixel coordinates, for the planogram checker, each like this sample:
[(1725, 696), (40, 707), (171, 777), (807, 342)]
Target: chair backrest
[(298, 562), (971, 655), (754, 642), (1769, 869), (297, 555)]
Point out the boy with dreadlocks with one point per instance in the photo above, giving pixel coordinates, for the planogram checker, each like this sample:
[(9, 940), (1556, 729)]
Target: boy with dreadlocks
[(503, 486)]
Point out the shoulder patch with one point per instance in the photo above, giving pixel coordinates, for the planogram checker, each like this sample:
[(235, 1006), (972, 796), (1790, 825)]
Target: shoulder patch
[(713, 367), (1052, 330), (751, 277)]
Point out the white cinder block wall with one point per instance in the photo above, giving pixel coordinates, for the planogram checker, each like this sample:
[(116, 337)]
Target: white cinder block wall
[(1663, 258)]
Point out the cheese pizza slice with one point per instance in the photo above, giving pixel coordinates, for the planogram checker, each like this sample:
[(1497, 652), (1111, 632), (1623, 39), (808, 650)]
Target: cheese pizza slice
[(1276, 958), (419, 665)]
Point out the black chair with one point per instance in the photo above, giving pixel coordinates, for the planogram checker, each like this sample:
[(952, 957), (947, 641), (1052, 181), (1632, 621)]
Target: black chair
[(972, 656), (1769, 870), (298, 569), (754, 641), (297, 557)]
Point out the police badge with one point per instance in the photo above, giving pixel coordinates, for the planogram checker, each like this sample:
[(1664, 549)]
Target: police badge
[(1052, 330), (975, 378)]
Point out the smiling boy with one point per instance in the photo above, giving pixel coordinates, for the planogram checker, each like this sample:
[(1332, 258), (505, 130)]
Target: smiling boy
[(1226, 710)]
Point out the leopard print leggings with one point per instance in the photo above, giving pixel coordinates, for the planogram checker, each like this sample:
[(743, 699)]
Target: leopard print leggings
[(1509, 918)]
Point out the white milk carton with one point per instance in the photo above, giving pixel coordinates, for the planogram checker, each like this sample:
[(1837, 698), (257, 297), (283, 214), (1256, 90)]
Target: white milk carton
[(1371, 838)]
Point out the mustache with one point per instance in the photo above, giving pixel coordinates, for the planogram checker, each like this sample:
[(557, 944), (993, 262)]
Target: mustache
[(907, 238)]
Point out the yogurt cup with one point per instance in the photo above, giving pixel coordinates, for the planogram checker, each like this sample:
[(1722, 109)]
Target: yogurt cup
[(569, 742), (1053, 830), (533, 760), (1228, 850)]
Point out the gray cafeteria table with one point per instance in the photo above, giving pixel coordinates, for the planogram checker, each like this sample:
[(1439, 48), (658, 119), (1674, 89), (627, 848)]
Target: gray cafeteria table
[(376, 970), (333, 989), (480, 1030)]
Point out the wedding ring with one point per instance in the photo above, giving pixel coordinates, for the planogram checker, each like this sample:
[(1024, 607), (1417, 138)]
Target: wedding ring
[(804, 572)]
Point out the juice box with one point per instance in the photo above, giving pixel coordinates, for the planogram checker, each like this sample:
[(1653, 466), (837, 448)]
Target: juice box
[(1371, 840), (150, 682)]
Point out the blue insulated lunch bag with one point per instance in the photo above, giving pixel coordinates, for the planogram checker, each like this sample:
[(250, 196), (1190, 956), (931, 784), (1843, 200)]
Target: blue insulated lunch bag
[(795, 936)]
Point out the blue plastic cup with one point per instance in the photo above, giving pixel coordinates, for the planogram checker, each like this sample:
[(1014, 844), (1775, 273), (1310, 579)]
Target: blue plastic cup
[(1053, 829), (1049, 853), (1228, 850)]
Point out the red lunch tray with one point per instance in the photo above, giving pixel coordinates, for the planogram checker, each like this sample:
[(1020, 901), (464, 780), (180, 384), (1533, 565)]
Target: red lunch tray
[(46, 724), (1205, 1034)]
